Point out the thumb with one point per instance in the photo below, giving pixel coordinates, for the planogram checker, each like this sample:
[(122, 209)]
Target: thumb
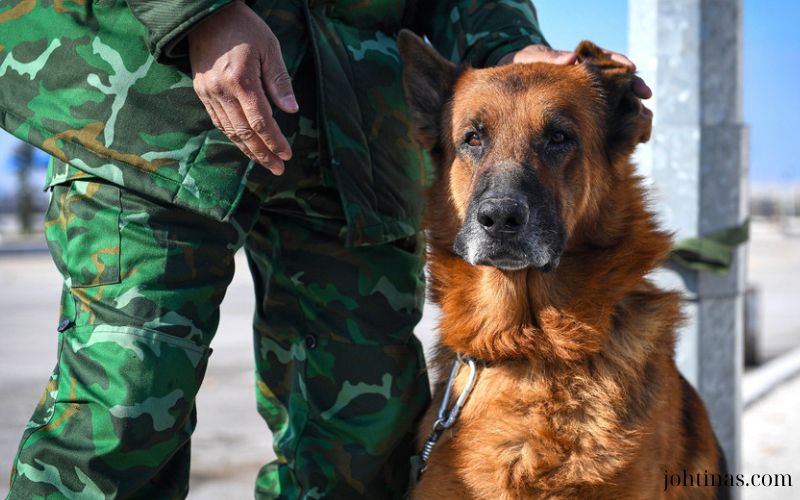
[(279, 84), (566, 58)]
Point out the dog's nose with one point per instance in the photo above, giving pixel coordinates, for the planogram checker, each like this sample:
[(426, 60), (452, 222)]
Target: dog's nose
[(502, 215)]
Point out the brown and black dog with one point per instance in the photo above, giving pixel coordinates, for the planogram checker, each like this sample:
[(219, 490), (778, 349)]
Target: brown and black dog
[(539, 243)]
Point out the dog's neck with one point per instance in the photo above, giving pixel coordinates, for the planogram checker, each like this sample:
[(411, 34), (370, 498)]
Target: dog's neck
[(560, 316)]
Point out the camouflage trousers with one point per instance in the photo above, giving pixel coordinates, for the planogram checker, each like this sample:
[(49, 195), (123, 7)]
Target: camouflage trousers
[(340, 377)]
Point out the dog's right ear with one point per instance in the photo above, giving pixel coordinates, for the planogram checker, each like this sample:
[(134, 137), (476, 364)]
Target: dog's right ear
[(628, 123), (428, 80)]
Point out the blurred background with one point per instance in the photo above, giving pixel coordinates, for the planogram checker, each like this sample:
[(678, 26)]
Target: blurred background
[(231, 442)]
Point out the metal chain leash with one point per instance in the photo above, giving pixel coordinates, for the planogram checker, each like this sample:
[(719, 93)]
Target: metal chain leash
[(447, 418)]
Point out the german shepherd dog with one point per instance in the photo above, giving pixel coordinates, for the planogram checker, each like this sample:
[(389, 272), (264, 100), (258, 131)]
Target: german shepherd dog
[(539, 245)]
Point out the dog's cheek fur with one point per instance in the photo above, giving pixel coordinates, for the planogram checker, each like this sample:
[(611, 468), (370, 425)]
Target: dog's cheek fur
[(460, 183), (587, 187), (574, 193)]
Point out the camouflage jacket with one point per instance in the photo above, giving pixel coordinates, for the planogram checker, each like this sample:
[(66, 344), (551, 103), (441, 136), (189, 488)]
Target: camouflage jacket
[(105, 86)]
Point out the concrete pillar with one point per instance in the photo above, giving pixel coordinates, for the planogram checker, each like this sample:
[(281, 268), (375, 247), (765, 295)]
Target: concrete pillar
[(690, 53)]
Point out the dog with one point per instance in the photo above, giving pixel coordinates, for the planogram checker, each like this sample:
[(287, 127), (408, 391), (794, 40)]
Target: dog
[(539, 242)]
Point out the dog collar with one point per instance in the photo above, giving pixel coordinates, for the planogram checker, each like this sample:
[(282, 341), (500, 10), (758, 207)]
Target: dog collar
[(446, 418)]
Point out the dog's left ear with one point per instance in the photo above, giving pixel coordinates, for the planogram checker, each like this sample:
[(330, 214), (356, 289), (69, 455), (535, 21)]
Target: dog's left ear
[(628, 123), (428, 80)]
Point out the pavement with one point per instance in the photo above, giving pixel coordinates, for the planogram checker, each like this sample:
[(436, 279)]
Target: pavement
[(773, 266), (231, 441), (771, 442)]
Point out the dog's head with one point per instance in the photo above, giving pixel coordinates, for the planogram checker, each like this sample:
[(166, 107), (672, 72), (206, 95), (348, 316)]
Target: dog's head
[(526, 152)]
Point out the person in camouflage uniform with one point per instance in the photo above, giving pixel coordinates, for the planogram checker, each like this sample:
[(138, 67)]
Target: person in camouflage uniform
[(150, 201)]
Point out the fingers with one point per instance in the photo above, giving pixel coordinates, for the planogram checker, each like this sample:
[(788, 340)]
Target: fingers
[(620, 59), (255, 145), (640, 89), (212, 112), (565, 57), (546, 55), (237, 105), (258, 115), (240, 110), (226, 126), (276, 79), (540, 53)]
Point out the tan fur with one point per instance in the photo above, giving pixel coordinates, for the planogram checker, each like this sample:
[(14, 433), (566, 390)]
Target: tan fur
[(581, 397)]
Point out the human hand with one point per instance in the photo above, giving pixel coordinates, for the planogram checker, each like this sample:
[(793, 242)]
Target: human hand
[(236, 63), (543, 53)]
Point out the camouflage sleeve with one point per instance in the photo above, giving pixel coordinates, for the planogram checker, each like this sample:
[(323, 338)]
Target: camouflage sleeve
[(167, 23), (478, 33)]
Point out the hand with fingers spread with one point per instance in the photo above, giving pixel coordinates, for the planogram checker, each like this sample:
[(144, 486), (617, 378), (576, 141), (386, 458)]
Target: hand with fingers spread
[(543, 53), (237, 71)]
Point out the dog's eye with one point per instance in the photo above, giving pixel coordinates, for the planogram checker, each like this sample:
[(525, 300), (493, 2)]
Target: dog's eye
[(558, 138), (473, 139)]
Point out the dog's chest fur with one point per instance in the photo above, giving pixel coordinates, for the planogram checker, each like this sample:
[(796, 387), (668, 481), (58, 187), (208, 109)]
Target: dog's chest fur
[(533, 429)]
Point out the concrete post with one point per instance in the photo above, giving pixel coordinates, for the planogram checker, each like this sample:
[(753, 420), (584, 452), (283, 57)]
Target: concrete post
[(689, 52)]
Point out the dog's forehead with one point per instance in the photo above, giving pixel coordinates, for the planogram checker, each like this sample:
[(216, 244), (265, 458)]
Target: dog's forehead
[(537, 90)]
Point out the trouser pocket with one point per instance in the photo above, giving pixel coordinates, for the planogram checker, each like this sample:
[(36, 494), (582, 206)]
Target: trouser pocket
[(83, 231)]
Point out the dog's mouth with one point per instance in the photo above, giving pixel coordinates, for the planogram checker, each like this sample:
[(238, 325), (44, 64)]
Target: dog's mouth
[(510, 265), (544, 261), (530, 249), (505, 264)]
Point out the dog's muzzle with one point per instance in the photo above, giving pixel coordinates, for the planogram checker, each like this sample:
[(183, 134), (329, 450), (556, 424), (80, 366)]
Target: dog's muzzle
[(510, 233)]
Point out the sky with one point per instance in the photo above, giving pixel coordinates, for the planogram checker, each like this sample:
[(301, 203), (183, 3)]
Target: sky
[(771, 73)]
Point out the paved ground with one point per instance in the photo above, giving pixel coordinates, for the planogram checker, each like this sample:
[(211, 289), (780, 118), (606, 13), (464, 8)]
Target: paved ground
[(774, 266), (771, 442), (231, 441)]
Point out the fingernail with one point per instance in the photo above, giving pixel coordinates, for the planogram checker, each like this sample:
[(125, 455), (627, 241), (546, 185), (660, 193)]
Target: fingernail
[(290, 103), (285, 155), (276, 169)]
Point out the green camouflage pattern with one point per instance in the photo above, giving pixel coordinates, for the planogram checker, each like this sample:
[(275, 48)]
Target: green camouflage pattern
[(340, 377), (117, 414), (75, 82), (84, 81)]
